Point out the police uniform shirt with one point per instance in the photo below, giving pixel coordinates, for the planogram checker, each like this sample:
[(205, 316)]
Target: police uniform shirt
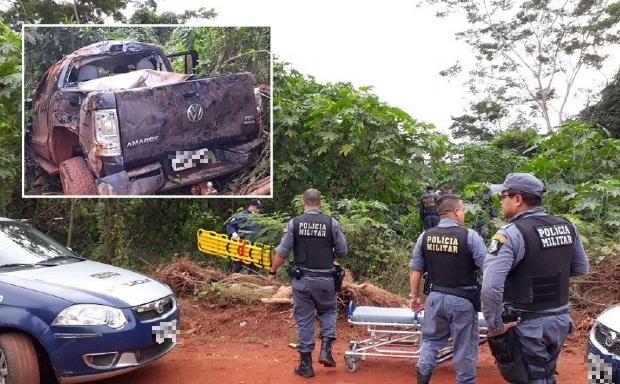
[(428, 204), (242, 224), (506, 250), (287, 242), (475, 243)]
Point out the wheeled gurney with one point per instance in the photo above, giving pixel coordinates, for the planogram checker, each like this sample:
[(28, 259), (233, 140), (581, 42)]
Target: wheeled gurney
[(394, 332)]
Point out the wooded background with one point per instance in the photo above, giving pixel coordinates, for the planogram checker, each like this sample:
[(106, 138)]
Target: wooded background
[(370, 160)]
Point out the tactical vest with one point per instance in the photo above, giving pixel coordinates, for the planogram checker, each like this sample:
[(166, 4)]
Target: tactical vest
[(540, 280), (449, 262), (429, 203), (314, 241)]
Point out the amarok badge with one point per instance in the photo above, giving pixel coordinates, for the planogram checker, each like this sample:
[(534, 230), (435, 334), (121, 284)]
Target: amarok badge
[(496, 242)]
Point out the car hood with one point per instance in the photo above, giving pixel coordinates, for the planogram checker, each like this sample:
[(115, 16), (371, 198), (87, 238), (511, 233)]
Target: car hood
[(90, 282), (611, 318)]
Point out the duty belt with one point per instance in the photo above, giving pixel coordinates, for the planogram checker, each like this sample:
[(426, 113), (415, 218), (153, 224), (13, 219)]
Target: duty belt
[(524, 316), (455, 291), (328, 273)]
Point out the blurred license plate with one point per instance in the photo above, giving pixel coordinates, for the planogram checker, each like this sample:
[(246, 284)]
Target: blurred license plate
[(165, 330), (181, 160)]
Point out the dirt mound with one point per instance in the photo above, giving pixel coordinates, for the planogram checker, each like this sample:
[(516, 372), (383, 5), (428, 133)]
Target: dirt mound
[(185, 277), (592, 293)]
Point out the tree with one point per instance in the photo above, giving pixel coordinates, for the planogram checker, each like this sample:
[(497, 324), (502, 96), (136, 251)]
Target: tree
[(535, 50), (606, 113), (228, 50), (478, 163), (94, 12), (54, 12), (148, 15), (44, 46), (485, 118), (518, 140), (344, 141), (489, 117), (579, 167), (10, 118)]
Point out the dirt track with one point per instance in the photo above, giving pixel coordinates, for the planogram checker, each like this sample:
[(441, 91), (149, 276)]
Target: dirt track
[(236, 341), (223, 363)]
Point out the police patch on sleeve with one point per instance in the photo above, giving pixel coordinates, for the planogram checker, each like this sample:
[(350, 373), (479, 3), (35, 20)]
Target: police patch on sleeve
[(496, 242)]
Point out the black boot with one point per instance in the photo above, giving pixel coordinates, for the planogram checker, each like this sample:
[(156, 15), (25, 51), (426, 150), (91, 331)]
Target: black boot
[(423, 379), (305, 365), (325, 357)]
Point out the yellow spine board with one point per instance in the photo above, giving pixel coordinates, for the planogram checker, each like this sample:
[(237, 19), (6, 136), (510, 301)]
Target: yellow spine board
[(247, 252)]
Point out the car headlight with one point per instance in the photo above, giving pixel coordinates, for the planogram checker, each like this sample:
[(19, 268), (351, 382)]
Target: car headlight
[(91, 314), (106, 133)]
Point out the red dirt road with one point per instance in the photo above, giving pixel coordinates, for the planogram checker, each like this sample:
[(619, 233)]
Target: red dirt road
[(248, 344), (199, 360)]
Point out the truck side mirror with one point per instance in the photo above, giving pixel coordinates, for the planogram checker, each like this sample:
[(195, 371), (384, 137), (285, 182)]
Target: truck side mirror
[(191, 61)]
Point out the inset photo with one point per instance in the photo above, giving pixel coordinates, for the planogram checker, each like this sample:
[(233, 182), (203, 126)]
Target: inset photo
[(173, 111)]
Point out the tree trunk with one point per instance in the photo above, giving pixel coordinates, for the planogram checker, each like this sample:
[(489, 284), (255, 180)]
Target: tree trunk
[(71, 221)]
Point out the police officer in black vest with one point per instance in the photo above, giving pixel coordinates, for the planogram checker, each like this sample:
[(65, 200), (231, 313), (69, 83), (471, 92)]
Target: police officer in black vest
[(428, 208), (316, 239), (452, 255), (525, 288)]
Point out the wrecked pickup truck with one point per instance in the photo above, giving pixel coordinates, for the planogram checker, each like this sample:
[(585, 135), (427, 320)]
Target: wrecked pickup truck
[(113, 118)]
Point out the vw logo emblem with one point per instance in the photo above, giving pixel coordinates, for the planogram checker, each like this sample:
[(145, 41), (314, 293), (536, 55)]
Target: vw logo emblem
[(610, 338), (194, 113), (159, 307)]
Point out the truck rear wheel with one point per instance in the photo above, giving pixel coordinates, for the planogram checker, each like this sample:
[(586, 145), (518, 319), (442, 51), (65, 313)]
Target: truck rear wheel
[(18, 360), (76, 178)]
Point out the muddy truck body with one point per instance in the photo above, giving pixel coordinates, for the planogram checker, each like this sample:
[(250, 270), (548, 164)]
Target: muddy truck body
[(113, 118)]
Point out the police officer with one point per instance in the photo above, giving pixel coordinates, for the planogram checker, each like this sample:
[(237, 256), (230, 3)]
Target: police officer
[(315, 239), (446, 189), (526, 275), (241, 226), (452, 255), (428, 208)]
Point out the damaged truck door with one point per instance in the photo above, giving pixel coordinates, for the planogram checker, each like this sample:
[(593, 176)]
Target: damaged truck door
[(113, 118)]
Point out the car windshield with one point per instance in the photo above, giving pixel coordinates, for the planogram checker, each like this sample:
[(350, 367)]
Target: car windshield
[(22, 243)]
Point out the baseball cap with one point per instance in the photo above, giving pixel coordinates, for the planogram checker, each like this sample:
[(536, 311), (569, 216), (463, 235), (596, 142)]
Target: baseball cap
[(256, 203), (524, 182)]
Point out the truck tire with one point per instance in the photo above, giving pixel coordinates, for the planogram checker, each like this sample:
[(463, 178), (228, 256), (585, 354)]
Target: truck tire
[(76, 178), (18, 360)]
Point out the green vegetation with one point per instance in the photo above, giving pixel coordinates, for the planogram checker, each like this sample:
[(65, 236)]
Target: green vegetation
[(370, 160), (10, 117)]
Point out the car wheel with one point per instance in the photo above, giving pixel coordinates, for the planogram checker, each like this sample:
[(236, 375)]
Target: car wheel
[(76, 178), (18, 360)]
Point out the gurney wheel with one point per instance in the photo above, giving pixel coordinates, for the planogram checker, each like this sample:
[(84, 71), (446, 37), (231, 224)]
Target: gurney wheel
[(350, 364)]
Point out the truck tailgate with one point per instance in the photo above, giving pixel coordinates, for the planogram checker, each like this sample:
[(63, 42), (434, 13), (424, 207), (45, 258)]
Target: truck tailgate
[(195, 114)]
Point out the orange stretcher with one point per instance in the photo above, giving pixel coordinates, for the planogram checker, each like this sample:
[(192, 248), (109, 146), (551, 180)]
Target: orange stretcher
[(247, 252)]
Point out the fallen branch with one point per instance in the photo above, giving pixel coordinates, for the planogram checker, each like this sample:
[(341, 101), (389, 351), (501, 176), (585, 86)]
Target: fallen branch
[(276, 300), (260, 191), (246, 54)]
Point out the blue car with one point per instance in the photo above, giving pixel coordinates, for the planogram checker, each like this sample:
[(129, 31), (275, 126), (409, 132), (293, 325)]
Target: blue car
[(72, 318), (603, 354)]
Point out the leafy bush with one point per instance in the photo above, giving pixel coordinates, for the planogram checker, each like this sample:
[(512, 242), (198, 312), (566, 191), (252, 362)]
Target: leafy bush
[(10, 117), (579, 166)]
